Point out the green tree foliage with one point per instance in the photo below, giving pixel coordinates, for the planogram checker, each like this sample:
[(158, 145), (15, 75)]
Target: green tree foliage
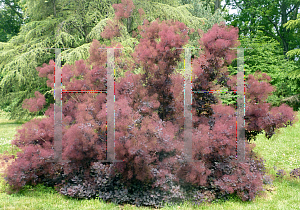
[(213, 5), (267, 57), (11, 19), (295, 53), (205, 9), (268, 16), (74, 24)]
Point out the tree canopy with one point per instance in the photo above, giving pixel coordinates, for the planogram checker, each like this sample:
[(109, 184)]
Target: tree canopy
[(11, 19), (268, 16)]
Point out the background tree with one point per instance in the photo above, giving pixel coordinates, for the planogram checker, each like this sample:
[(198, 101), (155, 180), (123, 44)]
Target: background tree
[(262, 26), (268, 16), (295, 53), (267, 57), (206, 9), (213, 5), (11, 19)]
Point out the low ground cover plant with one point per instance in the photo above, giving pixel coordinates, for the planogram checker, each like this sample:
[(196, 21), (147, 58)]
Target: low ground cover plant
[(149, 126)]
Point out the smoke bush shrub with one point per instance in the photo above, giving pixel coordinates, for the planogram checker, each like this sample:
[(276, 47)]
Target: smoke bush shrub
[(203, 196), (108, 187), (149, 125), (280, 173), (259, 114), (295, 173), (267, 180)]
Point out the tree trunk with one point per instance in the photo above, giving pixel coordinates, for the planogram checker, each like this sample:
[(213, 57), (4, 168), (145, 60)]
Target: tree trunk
[(285, 40), (129, 23), (285, 47), (217, 4), (54, 9)]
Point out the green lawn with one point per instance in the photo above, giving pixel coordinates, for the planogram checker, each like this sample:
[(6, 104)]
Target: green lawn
[(7, 131), (282, 150)]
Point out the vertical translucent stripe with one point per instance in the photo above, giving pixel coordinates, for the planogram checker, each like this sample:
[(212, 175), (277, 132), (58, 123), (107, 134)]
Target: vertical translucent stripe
[(188, 106), (58, 107), (240, 106), (110, 105)]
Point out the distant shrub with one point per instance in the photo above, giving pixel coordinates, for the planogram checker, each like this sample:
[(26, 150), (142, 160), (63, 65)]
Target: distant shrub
[(267, 180), (295, 173), (280, 173)]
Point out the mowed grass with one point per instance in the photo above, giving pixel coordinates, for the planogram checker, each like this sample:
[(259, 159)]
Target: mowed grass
[(282, 150), (8, 129)]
